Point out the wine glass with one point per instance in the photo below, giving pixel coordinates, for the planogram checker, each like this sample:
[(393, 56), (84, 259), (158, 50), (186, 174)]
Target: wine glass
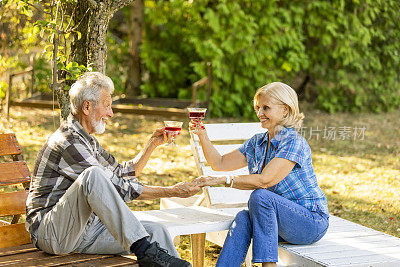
[(173, 127), (197, 114)]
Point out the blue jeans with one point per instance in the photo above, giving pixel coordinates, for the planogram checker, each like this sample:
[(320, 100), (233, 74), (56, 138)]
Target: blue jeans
[(269, 220)]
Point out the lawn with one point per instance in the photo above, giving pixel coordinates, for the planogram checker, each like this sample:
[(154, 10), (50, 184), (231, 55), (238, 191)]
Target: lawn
[(356, 158)]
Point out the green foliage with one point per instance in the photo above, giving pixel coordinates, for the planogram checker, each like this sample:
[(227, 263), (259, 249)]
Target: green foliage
[(26, 28), (349, 49), (42, 75), (118, 56)]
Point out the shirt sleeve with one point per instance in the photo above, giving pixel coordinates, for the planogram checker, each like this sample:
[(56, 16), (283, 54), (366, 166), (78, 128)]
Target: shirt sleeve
[(248, 146), (124, 169), (76, 158), (291, 149)]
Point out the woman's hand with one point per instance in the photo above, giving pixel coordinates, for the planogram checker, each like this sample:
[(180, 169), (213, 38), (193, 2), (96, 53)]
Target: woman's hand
[(209, 180), (160, 137), (197, 127), (185, 189)]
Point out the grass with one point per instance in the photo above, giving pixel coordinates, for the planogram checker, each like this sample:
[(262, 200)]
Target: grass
[(361, 178)]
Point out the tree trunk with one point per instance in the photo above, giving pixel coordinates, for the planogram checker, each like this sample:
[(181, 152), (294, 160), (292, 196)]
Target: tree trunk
[(135, 41), (98, 26), (79, 47), (91, 49)]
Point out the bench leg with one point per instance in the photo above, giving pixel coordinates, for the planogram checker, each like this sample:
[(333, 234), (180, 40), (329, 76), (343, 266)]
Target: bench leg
[(198, 247), (247, 260)]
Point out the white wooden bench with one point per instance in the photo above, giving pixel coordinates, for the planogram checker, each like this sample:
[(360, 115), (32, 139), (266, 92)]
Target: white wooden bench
[(346, 243)]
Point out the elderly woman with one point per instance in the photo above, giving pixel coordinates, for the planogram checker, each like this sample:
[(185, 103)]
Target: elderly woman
[(287, 204)]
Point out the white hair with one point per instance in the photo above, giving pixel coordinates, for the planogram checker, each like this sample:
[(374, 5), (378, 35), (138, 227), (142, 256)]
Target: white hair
[(88, 87), (283, 94)]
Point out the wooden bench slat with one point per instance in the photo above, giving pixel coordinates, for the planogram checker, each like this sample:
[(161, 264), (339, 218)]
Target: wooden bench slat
[(223, 195), (352, 234), (110, 262), (13, 235), (382, 251), (208, 171), (27, 255), (344, 241), (9, 145), (340, 248), (13, 203), (40, 258), (17, 249), (222, 149), (231, 131), (368, 260), (14, 172)]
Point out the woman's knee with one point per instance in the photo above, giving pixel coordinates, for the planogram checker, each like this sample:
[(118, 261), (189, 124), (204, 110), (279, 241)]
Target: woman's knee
[(242, 219), (260, 196), (242, 216)]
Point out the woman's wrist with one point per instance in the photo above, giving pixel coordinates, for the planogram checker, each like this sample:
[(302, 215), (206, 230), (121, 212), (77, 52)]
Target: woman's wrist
[(229, 180)]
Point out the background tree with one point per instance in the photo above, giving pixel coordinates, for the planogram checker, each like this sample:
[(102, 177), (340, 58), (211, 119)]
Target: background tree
[(86, 23), (341, 55), (134, 76)]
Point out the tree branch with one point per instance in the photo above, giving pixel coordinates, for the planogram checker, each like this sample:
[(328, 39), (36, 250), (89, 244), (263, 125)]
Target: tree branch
[(118, 4), (77, 25), (92, 4), (70, 20)]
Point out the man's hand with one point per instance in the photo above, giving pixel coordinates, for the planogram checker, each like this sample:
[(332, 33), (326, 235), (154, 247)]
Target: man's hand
[(209, 180), (185, 189), (160, 137)]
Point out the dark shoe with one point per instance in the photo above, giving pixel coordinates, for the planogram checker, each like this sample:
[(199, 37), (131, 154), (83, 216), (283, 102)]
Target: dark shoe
[(159, 257)]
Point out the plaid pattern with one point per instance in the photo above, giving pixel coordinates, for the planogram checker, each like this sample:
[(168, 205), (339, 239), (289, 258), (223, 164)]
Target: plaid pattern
[(66, 154), (300, 185)]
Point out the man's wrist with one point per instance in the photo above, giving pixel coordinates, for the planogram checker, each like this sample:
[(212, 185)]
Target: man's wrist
[(171, 191)]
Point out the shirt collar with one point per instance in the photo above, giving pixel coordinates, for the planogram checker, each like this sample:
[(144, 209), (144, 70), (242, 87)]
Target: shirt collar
[(79, 128), (277, 138)]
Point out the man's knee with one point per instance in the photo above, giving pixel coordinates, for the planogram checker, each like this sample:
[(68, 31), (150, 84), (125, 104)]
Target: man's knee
[(93, 174)]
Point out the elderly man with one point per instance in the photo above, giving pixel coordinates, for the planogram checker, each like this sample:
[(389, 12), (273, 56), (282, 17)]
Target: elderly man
[(78, 190)]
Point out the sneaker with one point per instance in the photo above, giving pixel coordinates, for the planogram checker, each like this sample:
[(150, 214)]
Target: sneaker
[(159, 257)]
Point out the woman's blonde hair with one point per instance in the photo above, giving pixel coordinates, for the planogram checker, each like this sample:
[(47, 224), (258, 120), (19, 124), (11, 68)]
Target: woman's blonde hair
[(283, 94)]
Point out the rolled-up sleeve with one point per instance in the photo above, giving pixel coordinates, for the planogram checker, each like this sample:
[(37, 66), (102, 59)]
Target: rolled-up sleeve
[(291, 149), (124, 169)]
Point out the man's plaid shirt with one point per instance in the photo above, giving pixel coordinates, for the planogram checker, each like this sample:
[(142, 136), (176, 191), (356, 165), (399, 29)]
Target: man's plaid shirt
[(66, 154), (300, 185)]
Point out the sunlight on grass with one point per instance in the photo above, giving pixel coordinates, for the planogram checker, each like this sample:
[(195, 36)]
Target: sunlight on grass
[(361, 178)]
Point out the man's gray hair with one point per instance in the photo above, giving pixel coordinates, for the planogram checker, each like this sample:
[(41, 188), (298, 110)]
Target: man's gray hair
[(88, 87)]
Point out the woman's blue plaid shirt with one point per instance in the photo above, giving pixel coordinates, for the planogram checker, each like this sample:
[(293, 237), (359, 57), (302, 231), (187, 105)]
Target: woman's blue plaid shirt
[(300, 185)]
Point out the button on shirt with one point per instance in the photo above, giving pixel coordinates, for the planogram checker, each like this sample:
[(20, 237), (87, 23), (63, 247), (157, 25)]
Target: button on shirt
[(300, 185), (66, 154)]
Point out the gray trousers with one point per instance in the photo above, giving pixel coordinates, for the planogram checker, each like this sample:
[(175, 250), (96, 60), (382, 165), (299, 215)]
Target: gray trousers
[(92, 218)]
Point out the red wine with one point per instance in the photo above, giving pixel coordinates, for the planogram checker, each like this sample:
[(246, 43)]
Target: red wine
[(197, 114), (173, 129)]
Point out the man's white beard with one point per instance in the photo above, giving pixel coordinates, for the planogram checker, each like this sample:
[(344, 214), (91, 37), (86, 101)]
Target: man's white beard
[(99, 126)]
